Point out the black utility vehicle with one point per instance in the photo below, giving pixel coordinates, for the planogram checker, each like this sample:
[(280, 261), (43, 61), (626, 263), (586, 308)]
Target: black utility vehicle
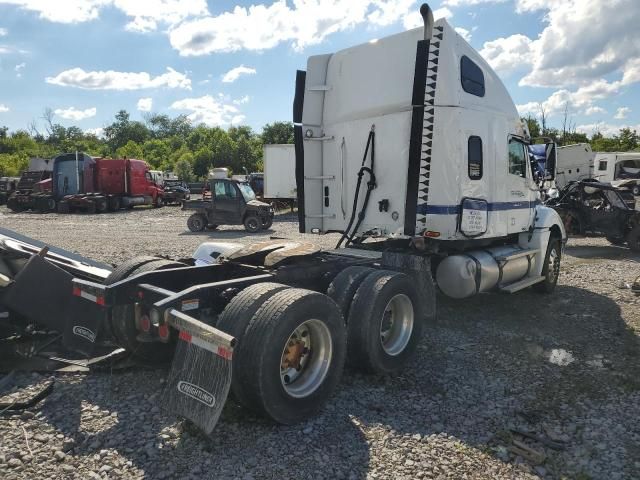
[(229, 202), (175, 192), (7, 187), (599, 208)]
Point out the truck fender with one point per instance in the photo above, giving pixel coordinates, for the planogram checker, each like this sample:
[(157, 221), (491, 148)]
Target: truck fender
[(547, 224), (208, 253)]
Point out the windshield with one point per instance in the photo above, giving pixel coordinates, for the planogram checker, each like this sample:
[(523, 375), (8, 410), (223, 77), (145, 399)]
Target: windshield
[(247, 192)]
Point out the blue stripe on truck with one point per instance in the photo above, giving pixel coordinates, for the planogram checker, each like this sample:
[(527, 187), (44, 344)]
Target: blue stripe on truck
[(492, 207)]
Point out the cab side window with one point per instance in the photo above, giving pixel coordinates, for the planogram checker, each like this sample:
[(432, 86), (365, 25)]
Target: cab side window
[(517, 158), (231, 190), (602, 166), (219, 189)]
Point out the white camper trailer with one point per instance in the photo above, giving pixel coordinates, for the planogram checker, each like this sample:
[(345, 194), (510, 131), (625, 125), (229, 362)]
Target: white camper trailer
[(280, 172), (619, 169), (575, 162)]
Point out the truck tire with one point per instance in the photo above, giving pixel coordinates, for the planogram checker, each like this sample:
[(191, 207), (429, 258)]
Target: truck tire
[(114, 204), (618, 241), (633, 239), (63, 207), (385, 322), (91, 207), (343, 287), (266, 223), (252, 224), (234, 320), (293, 355), (636, 190), (13, 205), (101, 204), (197, 222), (122, 320), (551, 267)]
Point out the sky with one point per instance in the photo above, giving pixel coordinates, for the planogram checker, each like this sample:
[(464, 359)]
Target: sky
[(231, 62)]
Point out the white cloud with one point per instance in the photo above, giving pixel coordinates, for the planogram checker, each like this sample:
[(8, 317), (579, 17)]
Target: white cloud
[(98, 132), (606, 129), (413, 19), (459, 3), (3, 32), (242, 100), (18, 69), (593, 110), (72, 113), (112, 80), (464, 33), (235, 73), (508, 54), (622, 113), (581, 100), (264, 26), (237, 119), (210, 110), (69, 11), (145, 104), (3, 108), (146, 15)]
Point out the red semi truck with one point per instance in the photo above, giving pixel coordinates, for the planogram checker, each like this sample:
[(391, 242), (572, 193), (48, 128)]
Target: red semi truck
[(108, 184)]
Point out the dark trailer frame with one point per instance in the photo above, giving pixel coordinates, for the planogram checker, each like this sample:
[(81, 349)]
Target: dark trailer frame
[(177, 308)]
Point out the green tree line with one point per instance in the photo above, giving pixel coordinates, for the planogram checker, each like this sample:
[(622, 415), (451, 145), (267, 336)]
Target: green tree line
[(168, 144), (627, 140)]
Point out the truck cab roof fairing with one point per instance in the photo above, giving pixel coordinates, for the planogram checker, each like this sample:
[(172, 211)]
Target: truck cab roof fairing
[(348, 92)]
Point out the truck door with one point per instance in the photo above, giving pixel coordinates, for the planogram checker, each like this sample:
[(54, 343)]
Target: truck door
[(519, 195), (226, 200)]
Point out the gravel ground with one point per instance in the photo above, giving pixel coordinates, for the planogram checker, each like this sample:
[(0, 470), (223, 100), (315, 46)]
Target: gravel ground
[(564, 368)]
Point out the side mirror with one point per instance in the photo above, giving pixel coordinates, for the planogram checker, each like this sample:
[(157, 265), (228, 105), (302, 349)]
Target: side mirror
[(551, 153)]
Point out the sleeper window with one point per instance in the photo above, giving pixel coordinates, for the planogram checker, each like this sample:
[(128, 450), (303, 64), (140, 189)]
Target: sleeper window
[(602, 166), (517, 158), (471, 77), (475, 158)]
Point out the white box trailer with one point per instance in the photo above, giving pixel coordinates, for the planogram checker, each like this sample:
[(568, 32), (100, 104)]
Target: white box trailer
[(574, 162), (619, 169), (280, 172)]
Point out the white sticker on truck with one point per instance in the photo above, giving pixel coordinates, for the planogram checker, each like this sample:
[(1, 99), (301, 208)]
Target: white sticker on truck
[(473, 221)]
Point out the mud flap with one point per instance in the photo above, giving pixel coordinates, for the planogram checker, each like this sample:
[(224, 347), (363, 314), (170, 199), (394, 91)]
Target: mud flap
[(42, 293), (84, 320), (200, 375)]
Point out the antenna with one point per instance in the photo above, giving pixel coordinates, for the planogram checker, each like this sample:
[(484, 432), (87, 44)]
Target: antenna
[(427, 17)]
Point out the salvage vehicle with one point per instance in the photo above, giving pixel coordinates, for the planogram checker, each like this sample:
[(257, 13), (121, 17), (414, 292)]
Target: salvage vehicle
[(103, 184), (34, 184), (429, 185), (8, 185), (229, 203), (597, 208), (175, 192)]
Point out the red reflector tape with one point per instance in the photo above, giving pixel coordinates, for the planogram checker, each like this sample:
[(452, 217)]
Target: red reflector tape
[(77, 292), (100, 301), (225, 353), (213, 347)]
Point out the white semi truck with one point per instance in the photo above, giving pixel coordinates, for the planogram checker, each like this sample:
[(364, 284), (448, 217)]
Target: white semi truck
[(412, 150), (574, 162)]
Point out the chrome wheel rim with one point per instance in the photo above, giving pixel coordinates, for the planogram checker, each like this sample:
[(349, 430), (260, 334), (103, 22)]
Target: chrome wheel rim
[(397, 324), (306, 358)]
